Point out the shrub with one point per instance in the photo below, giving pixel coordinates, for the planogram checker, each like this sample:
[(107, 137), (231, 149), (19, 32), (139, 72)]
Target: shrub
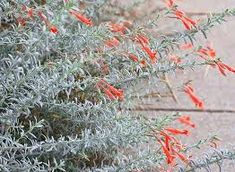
[(71, 74)]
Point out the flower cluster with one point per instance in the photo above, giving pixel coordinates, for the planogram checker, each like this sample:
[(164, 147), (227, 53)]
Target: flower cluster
[(171, 146), (31, 13), (111, 92), (209, 54), (80, 17), (188, 22)]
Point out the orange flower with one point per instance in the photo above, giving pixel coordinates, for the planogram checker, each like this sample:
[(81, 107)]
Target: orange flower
[(114, 42), (53, 29), (110, 91), (222, 67), (229, 68), (143, 40), (117, 92), (169, 156), (171, 139), (168, 138), (30, 13), (117, 28), (81, 18), (170, 3), (133, 57), (207, 52), (190, 92), (186, 120), (151, 54), (177, 131), (181, 156), (43, 17), (143, 63), (175, 59), (28, 10), (167, 142), (171, 147), (20, 20), (186, 46), (187, 22), (109, 94)]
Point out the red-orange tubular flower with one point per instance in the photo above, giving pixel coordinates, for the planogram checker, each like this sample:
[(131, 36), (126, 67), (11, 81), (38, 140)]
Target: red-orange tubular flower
[(171, 139), (20, 20), (207, 52), (143, 40), (133, 57), (175, 59), (111, 92), (81, 17), (169, 156), (121, 28), (170, 3), (43, 17), (210, 53), (223, 67), (151, 54), (171, 146), (186, 120), (190, 92), (114, 42), (186, 46), (30, 12), (180, 155), (143, 63), (175, 131), (187, 21), (53, 29)]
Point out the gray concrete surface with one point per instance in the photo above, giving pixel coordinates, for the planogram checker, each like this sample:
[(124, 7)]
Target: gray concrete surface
[(217, 91)]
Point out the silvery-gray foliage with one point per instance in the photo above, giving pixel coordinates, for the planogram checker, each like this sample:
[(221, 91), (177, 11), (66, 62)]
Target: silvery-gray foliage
[(52, 117)]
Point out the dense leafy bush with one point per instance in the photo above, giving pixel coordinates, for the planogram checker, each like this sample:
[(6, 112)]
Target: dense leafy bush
[(71, 72)]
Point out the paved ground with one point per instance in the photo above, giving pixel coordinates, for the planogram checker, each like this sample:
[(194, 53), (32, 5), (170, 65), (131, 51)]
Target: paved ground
[(217, 91)]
